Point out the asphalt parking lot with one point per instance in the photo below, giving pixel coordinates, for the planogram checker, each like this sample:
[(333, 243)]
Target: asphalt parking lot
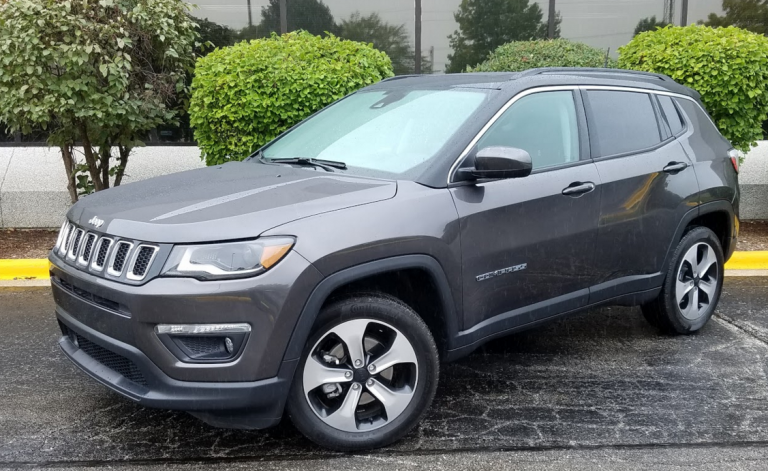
[(601, 389)]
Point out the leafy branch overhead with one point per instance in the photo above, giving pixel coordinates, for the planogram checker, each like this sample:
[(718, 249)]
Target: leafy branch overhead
[(99, 74)]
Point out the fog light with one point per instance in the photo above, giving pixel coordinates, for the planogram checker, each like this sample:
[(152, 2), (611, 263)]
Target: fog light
[(204, 343)]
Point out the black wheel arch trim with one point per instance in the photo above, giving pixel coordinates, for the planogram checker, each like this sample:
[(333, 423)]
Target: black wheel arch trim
[(323, 290), (711, 207)]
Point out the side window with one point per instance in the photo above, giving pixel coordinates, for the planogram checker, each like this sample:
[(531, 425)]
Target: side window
[(671, 114), (621, 122), (543, 124)]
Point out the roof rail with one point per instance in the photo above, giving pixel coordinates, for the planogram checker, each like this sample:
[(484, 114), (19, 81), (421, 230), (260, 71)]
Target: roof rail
[(590, 70), (398, 77)]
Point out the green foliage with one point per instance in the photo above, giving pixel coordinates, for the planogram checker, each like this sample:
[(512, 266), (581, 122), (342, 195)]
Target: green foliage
[(393, 40), (751, 15), (523, 55), (485, 25), (727, 66), (101, 73), (245, 95), (649, 24)]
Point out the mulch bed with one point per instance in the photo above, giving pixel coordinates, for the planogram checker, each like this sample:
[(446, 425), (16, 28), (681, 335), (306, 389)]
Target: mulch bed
[(35, 243)]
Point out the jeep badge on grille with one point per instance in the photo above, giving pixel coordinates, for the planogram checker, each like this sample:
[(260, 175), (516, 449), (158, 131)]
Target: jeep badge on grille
[(96, 221)]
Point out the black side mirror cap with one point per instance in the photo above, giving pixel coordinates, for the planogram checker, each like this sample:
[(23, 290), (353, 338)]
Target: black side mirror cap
[(500, 162)]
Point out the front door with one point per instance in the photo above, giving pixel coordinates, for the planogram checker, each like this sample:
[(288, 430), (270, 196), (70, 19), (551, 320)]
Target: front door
[(528, 243)]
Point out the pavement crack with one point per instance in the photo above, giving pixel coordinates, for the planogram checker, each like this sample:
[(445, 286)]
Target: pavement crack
[(744, 328)]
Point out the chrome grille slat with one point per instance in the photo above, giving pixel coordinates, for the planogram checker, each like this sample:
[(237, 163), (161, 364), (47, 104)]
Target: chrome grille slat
[(102, 250), (119, 258), (142, 259), (85, 254), (60, 237), (75, 246), (67, 241)]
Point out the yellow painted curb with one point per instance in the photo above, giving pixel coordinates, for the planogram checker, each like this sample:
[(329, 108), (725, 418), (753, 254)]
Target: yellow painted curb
[(755, 260), (24, 269), (37, 269)]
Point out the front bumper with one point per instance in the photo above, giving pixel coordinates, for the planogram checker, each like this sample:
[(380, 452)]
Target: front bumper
[(126, 370), (108, 332)]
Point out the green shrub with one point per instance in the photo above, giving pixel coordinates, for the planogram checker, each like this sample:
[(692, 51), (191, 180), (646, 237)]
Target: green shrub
[(523, 55), (245, 95), (727, 66)]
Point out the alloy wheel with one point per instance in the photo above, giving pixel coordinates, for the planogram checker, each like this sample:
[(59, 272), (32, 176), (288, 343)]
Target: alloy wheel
[(360, 375), (697, 281)]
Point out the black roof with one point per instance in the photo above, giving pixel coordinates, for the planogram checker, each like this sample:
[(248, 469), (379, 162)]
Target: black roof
[(516, 81)]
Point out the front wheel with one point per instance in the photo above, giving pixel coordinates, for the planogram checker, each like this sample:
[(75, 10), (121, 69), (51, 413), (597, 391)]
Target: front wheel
[(692, 285), (367, 376)]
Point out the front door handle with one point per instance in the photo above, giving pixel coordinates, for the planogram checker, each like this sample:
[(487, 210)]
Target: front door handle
[(674, 167), (578, 188)]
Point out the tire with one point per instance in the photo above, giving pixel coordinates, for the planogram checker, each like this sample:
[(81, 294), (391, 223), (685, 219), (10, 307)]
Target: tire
[(696, 271), (327, 380)]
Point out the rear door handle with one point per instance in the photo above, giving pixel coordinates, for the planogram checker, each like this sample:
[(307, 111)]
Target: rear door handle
[(578, 188), (674, 167)]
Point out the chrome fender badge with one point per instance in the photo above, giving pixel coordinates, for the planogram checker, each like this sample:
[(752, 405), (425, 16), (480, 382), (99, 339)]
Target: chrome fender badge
[(502, 271)]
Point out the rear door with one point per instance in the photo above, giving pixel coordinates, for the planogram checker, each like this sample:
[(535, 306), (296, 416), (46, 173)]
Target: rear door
[(647, 186), (527, 248)]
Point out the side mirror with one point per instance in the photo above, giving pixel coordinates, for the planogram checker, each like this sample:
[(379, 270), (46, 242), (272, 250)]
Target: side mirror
[(500, 162)]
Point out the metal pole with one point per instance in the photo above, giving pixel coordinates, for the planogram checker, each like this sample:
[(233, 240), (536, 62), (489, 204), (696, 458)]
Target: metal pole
[(684, 13), (417, 36), (552, 14), (250, 16), (283, 17)]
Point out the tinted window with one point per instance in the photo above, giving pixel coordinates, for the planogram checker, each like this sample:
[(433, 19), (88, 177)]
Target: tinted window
[(671, 114), (542, 124), (622, 122)]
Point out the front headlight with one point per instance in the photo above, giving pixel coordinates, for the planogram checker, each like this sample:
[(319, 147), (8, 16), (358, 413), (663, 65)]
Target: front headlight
[(228, 260)]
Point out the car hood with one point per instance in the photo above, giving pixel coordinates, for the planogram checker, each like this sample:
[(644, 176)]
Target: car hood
[(236, 200)]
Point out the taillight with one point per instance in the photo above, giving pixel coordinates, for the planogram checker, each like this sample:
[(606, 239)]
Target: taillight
[(734, 155)]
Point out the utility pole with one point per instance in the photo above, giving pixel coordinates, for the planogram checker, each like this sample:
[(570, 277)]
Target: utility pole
[(417, 37), (551, 25), (432, 58), (250, 16), (669, 11), (684, 13), (283, 17)]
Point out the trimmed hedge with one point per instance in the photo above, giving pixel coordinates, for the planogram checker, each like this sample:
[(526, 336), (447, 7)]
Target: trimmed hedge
[(727, 66), (517, 56), (243, 96)]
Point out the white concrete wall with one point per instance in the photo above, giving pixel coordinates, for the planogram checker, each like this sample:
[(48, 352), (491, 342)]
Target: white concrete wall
[(33, 184), (753, 181), (33, 188)]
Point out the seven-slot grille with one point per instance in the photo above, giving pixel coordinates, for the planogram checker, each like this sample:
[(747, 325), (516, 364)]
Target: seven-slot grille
[(104, 254)]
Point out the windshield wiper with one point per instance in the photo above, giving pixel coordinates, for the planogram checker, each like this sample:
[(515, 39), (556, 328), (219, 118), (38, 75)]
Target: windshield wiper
[(328, 165)]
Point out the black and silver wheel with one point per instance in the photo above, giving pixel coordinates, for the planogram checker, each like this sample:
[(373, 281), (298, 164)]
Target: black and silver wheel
[(367, 376), (692, 286)]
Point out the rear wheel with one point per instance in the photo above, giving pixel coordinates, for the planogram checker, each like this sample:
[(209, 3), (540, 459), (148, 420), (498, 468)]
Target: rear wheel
[(692, 286), (367, 376)]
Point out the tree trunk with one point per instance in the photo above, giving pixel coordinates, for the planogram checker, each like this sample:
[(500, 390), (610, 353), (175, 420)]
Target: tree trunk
[(69, 167), (123, 161), (90, 159), (105, 153)]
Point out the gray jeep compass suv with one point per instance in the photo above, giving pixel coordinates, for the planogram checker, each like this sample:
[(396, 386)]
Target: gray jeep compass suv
[(408, 223)]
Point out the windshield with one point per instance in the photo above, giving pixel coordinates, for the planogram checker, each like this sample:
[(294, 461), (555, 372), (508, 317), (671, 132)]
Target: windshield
[(381, 133)]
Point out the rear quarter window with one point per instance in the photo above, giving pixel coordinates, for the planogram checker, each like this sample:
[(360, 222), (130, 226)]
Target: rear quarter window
[(621, 122), (671, 114)]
